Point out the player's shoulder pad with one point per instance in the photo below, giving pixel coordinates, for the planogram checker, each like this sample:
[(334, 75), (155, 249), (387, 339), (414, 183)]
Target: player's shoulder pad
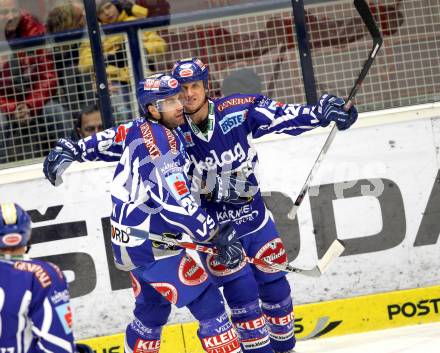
[(267, 103), (45, 273), (235, 102), (156, 138)]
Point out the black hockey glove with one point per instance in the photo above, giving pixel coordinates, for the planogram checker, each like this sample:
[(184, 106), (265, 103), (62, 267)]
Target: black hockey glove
[(231, 189), (59, 159), (229, 248), (331, 108)]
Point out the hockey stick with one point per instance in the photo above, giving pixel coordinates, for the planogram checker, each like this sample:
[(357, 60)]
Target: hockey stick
[(367, 18), (333, 252)]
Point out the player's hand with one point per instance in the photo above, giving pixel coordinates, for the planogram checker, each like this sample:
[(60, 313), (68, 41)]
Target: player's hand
[(59, 159), (229, 248), (231, 189), (331, 108)]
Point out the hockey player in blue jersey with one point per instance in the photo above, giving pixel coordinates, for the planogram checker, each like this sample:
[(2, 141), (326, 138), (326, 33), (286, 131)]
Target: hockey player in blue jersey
[(151, 196), (35, 315), (218, 142), (216, 136)]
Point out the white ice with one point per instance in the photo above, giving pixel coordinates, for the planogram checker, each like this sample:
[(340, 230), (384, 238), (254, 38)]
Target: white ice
[(409, 339)]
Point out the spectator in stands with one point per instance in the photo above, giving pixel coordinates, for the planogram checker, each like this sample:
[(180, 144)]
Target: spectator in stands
[(76, 87), (89, 122), (17, 23), (28, 87), (157, 8), (115, 50), (65, 17)]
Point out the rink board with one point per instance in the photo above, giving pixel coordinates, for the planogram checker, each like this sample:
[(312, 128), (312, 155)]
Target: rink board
[(325, 319), (377, 190)]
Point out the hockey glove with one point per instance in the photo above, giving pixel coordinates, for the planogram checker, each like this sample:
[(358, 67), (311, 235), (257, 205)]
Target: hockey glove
[(231, 189), (230, 250), (331, 108), (59, 159)]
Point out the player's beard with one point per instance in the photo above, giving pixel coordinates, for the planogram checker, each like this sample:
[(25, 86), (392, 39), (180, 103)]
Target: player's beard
[(172, 123)]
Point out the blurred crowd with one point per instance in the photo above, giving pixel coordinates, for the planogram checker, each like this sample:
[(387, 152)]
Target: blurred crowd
[(47, 90), (48, 93)]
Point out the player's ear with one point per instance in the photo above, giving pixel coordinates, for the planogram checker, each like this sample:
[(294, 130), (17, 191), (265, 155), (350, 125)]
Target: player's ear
[(153, 112)]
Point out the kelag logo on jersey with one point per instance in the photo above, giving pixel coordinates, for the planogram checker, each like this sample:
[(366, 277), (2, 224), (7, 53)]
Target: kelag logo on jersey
[(232, 120), (62, 296)]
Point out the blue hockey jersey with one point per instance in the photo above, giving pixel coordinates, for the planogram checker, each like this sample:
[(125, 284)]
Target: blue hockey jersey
[(35, 313), (225, 149), (151, 195)]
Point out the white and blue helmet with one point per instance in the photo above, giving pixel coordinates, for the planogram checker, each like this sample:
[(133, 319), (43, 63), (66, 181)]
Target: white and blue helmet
[(15, 226), (155, 88), (190, 70)]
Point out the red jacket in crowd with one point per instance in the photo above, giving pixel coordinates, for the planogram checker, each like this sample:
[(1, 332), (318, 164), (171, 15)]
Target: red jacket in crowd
[(26, 76)]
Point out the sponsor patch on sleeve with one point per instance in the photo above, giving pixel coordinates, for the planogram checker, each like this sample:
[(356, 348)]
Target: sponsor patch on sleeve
[(177, 184), (65, 315)]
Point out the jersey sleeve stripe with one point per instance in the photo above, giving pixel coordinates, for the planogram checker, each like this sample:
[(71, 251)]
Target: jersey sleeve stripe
[(23, 335)]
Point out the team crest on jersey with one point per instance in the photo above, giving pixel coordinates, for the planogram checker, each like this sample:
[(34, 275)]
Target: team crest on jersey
[(232, 120), (135, 285), (273, 251), (190, 273), (167, 290), (220, 270)]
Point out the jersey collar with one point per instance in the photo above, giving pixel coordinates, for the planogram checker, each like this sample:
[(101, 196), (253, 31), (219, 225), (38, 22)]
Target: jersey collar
[(14, 257), (211, 122)]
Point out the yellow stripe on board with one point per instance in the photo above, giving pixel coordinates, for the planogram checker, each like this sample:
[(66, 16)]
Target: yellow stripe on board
[(325, 319)]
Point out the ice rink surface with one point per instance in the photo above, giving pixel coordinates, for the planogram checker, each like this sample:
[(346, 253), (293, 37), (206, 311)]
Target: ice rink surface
[(409, 339)]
